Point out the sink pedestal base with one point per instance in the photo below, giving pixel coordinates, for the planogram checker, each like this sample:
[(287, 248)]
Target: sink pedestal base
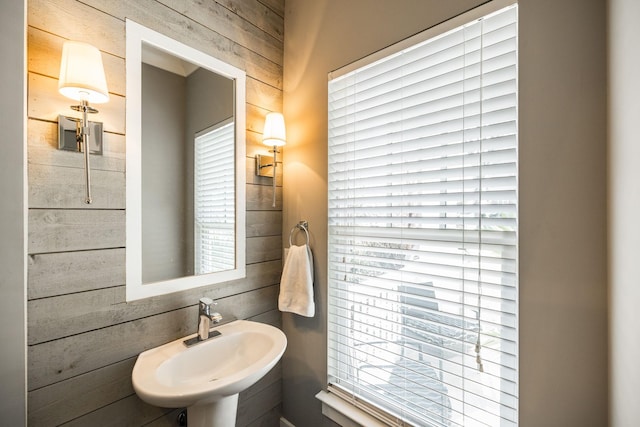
[(221, 413)]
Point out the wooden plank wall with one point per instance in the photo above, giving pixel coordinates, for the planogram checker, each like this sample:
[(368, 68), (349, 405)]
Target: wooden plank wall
[(83, 337)]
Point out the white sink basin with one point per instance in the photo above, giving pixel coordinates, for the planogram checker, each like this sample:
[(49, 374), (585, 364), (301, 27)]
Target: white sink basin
[(205, 374)]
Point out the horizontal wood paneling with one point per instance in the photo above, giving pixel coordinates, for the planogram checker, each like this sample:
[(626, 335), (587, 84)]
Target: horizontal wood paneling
[(46, 103), (65, 188), (42, 139), (272, 377), (83, 337), (61, 359), (109, 161), (264, 223), (272, 317), (69, 272), (167, 420), (250, 409), (276, 5), (257, 401), (127, 412), (52, 274), (268, 419), (71, 314), (261, 397), (67, 400), (44, 60), (61, 402), (231, 26), (44, 54), (255, 117), (78, 354), (75, 20), (258, 14), (167, 21), (251, 176), (261, 249), (255, 145), (55, 230), (260, 197)]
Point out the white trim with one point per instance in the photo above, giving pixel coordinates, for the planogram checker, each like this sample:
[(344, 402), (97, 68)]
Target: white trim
[(285, 422), (136, 35), (436, 30), (344, 413), (25, 207)]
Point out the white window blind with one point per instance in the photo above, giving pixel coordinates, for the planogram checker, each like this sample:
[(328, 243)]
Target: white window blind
[(422, 265), (214, 198)]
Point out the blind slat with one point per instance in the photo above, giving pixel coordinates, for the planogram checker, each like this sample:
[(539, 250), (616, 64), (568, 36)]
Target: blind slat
[(423, 228), (214, 201)]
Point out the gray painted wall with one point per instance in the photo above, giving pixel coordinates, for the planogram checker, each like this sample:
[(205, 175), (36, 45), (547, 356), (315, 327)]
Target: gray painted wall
[(210, 100), (12, 214), (563, 247), (563, 283), (174, 109), (164, 181)]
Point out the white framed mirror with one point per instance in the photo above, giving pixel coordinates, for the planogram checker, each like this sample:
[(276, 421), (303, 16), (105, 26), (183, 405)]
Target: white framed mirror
[(185, 160)]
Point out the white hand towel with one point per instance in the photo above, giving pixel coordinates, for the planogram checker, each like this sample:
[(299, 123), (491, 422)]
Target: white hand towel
[(296, 285)]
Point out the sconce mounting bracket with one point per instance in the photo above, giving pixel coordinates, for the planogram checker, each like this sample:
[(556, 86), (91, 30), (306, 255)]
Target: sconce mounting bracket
[(264, 165), (69, 138)]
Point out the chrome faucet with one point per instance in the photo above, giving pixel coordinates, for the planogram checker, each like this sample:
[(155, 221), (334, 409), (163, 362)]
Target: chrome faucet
[(206, 317)]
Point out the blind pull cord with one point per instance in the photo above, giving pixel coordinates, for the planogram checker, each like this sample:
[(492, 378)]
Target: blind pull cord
[(478, 345)]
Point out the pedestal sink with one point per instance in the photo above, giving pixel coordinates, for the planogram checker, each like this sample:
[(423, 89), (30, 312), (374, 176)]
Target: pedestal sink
[(207, 377)]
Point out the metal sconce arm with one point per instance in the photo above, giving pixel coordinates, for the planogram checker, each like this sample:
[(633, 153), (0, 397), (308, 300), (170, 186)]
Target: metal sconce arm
[(83, 136)]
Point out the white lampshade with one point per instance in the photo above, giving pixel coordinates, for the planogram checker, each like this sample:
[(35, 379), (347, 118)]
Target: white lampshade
[(274, 133), (82, 74)]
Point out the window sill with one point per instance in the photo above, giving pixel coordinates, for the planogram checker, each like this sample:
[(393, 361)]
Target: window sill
[(344, 413)]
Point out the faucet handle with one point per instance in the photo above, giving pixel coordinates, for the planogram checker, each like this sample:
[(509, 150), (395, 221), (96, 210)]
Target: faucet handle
[(206, 301), (204, 306), (216, 317)]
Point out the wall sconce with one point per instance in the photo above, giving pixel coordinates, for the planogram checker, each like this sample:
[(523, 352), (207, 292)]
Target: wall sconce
[(273, 135), (82, 79)]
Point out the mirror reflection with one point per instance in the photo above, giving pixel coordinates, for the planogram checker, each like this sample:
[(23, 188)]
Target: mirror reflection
[(188, 175), (186, 166)]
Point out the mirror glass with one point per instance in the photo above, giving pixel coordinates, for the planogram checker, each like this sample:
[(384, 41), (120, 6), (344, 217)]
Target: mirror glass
[(185, 166)]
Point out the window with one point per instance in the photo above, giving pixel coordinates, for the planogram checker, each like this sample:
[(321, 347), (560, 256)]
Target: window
[(422, 264), (215, 199)]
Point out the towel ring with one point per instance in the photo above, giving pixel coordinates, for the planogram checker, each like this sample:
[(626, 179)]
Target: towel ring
[(302, 225)]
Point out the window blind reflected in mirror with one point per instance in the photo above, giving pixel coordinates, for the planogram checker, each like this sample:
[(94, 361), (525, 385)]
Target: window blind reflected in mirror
[(214, 220)]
